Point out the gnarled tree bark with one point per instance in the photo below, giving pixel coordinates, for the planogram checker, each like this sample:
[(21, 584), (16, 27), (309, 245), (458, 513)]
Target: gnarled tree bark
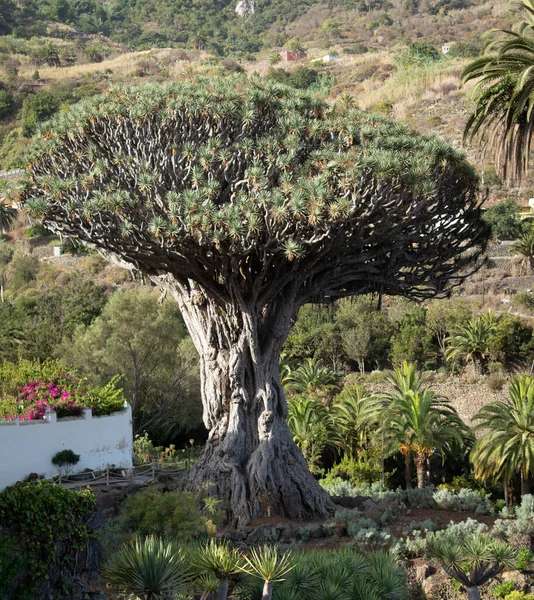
[(250, 461)]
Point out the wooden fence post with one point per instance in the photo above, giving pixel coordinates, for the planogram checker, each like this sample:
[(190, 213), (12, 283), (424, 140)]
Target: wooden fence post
[(107, 475)]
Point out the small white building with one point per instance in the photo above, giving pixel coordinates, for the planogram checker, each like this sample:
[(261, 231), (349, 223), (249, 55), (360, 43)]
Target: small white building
[(445, 48), (28, 446), (330, 58)]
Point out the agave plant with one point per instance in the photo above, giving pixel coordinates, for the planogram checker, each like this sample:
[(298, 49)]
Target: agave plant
[(149, 569), (267, 564)]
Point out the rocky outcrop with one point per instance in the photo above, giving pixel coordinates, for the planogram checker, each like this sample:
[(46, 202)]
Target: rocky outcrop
[(245, 8)]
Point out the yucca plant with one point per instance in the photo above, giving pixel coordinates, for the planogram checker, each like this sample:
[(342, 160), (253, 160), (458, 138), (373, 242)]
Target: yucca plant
[(221, 560), (269, 565), (149, 569), (473, 562)]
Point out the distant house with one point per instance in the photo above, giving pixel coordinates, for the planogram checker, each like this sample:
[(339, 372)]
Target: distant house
[(330, 58), (292, 55), (445, 48)]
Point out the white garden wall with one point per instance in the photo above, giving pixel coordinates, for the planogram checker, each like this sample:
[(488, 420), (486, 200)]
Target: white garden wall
[(28, 447)]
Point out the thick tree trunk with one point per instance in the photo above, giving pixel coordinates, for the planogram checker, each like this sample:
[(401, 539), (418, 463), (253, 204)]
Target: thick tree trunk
[(408, 471), (506, 494), (473, 593), (250, 461), (420, 461)]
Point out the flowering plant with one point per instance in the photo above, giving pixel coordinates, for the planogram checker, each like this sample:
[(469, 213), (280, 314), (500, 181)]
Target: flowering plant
[(38, 397), (35, 389)]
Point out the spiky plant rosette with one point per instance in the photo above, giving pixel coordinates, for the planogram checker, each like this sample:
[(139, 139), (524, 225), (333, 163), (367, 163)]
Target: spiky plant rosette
[(193, 173)]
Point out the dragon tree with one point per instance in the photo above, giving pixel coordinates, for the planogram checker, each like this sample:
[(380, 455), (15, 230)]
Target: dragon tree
[(245, 200)]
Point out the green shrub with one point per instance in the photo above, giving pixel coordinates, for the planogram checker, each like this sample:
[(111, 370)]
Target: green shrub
[(366, 468), (106, 399), (169, 515), (465, 500), (6, 103), (502, 590), (47, 524), (517, 595), (39, 107), (37, 230), (523, 301), (356, 49), (65, 458), (524, 559), (22, 271)]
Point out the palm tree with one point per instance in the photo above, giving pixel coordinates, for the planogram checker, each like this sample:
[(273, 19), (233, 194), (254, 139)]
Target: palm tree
[(474, 561), (523, 249), (507, 447), (221, 560), (470, 342), (354, 412), (7, 217), (150, 569), (267, 564), (424, 424), (502, 120), (403, 379), (312, 428), (310, 377)]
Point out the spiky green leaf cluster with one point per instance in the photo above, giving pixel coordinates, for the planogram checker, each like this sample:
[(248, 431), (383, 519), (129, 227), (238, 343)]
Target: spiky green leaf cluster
[(241, 168)]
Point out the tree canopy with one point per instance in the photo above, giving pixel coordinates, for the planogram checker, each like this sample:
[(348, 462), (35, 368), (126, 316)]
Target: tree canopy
[(232, 180)]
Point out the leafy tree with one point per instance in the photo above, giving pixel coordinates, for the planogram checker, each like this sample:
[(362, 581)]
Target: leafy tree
[(412, 340), (507, 446), (143, 341), (37, 108), (23, 269), (474, 561), (357, 344), (49, 316), (46, 54), (445, 316), (503, 220), (510, 340), (315, 335), (245, 201)]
